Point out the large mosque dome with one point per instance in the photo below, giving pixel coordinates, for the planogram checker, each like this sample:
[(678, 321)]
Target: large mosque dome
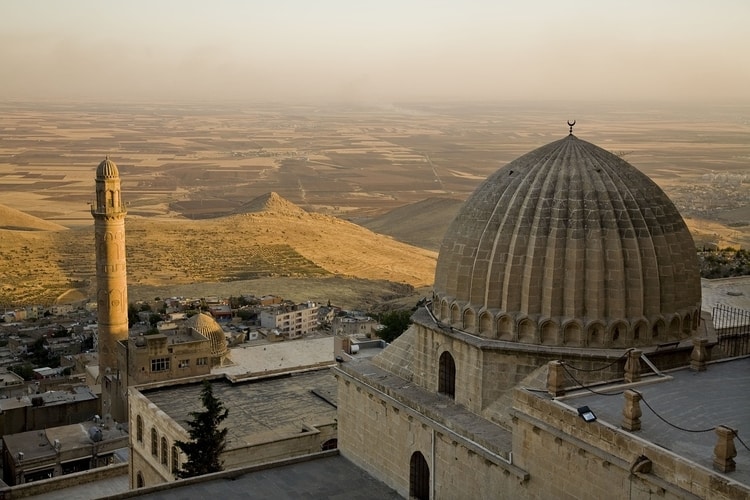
[(569, 245)]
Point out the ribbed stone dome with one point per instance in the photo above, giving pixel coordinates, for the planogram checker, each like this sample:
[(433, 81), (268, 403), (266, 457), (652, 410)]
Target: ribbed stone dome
[(107, 170), (209, 328), (569, 245)]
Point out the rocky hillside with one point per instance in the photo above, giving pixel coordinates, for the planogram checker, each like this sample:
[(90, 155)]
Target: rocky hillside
[(270, 237), (13, 219), (421, 224)]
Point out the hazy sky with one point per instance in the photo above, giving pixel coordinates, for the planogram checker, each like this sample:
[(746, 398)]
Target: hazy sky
[(376, 51)]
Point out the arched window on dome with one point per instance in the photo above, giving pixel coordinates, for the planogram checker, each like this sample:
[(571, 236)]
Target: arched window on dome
[(468, 322), (527, 331), (505, 328), (640, 332), (419, 477), (572, 334), (485, 323), (674, 328), (686, 323), (548, 333), (455, 315), (657, 331), (619, 334), (444, 309), (447, 375), (595, 335)]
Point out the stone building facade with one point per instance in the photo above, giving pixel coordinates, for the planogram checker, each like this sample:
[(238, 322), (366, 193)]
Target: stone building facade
[(292, 320), (284, 417), (38, 455)]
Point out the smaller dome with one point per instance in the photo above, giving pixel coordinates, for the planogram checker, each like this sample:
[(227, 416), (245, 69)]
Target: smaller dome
[(107, 169), (209, 328)]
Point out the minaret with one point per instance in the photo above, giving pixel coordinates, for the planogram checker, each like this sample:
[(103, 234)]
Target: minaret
[(111, 276)]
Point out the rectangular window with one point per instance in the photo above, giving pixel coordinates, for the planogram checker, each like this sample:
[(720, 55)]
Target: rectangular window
[(184, 363), (202, 361), (159, 364)]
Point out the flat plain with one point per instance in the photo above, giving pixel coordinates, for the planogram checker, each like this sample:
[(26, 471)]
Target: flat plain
[(182, 162)]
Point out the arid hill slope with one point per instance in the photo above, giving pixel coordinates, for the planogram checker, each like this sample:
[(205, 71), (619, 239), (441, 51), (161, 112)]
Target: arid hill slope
[(272, 238), (13, 219), (421, 224)]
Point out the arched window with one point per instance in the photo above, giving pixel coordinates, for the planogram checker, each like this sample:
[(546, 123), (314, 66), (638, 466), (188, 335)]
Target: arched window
[(674, 328), (330, 444), (139, 480), (419, 477), (485, 323), (175, 460), (447, 375), (468, 323), (154, 443), (164, 451), (139, 429)]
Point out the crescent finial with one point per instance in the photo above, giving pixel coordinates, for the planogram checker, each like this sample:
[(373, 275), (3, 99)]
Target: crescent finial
[(571, 125)]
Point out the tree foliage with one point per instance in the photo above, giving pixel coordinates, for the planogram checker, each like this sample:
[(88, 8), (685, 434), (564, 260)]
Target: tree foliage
[(723, 262), (395, 323), (207, 438)]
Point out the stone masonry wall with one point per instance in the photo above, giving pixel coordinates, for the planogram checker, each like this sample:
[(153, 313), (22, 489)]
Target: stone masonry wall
[(380, 436), (569, 458)]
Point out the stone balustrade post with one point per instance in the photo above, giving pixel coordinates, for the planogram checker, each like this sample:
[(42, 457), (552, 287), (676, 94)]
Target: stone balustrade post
[(699, 356), (724, 451), (631, 412), (633, 366), (555, 378)]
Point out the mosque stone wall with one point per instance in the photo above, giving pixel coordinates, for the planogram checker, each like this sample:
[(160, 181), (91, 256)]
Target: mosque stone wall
[(568, 458), (555, 454), (380, 437)]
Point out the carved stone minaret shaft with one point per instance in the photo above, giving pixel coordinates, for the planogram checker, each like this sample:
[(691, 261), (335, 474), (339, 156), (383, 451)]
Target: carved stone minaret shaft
[(111, 276)]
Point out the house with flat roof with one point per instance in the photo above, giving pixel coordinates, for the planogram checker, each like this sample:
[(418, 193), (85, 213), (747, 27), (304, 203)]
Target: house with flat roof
[(44, 454), (285, 416)]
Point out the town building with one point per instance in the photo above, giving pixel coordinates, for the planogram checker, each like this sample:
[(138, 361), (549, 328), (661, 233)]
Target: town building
[(290, 320), (187, 350), (566, 271), (354, 324), (32, 411), (281, 417), (44, 454)]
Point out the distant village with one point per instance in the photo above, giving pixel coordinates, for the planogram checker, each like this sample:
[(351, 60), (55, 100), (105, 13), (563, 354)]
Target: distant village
[(55, 344), (50, 370)]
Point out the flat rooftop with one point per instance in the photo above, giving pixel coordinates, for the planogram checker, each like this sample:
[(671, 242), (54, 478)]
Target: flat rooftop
[(259, 410), (261, 357), (332, 477), (696, 401)]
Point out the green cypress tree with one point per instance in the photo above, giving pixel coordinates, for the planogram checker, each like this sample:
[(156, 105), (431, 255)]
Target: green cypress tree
[(207, 439)]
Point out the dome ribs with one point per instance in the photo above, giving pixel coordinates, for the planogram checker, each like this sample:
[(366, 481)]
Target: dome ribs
[(536, 272), (508, 189), (574, 282), (628, 262), (564, 242), (601, 241)]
